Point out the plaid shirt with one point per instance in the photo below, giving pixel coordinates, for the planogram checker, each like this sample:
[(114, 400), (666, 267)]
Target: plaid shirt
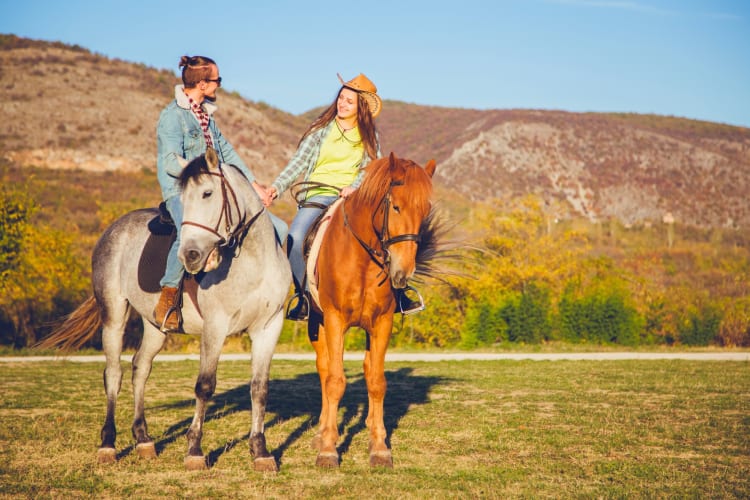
[(306, 157)]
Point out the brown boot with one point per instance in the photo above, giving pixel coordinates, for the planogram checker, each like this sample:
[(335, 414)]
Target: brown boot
[(167, 302)]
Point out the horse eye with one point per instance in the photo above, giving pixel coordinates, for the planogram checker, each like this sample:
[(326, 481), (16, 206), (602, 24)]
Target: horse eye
[(396, 209), (207, 194)]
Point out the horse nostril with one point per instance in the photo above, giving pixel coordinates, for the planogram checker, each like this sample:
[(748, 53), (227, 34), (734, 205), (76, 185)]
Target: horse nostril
[(192, 255)]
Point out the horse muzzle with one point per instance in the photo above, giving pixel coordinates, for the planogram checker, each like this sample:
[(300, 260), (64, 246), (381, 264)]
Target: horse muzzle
[(196, 260), (399, 272)]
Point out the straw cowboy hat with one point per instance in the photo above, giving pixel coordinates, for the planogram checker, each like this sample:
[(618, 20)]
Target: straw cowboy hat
[(362, 85)]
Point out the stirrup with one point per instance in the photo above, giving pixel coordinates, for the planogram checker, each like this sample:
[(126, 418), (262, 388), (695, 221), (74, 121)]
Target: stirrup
[(301, 311), (412, 306), (176, 310)]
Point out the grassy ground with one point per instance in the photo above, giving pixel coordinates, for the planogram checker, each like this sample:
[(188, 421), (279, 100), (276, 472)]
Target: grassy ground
[(458, 429)]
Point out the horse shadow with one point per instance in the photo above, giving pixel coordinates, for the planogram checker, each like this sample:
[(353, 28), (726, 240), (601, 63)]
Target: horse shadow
[(300, 397)]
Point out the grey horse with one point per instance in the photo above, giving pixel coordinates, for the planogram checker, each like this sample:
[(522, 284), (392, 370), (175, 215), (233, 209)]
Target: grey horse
[(239, 280)]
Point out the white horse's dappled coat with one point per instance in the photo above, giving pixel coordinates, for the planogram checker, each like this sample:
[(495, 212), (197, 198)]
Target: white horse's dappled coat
[(244, 291)]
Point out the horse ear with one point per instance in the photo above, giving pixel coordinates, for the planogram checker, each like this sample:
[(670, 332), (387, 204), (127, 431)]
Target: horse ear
[(430, 167), (182, 161), (398, 172), (212, 159)]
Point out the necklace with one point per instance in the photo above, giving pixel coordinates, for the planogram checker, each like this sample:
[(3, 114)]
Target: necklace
[(343, 132)]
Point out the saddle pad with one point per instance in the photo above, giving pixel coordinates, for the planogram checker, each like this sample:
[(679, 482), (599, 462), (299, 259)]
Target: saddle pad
[(312, 258)]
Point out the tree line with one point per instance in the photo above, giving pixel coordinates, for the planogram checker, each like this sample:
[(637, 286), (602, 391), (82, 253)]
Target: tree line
[(527, 277)]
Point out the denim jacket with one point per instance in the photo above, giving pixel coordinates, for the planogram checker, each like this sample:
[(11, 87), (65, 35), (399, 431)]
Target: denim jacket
[(179, 134), (306, 157)]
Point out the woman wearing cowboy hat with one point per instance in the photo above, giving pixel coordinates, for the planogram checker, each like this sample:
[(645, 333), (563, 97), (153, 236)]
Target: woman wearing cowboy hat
[(333, 152)]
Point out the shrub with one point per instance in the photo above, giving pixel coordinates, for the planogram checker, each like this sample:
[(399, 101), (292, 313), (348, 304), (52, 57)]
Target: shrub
[(527, 316), (484, 325), (599, 315), (701, 326), (734, 329)]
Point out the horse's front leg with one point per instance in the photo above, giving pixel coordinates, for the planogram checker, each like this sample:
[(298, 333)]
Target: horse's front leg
[(333, 391), (211, 343), (264, 343), (374, 368), (151, 344)]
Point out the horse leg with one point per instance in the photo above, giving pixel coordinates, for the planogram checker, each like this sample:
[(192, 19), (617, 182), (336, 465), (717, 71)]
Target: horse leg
[(374, 369), (264, 344), (333, 391), (151, 344), (114, 319), (321, 363), (205, 386)]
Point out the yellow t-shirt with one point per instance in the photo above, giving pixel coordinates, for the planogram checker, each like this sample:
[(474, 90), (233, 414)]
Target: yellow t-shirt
[(340, 156)]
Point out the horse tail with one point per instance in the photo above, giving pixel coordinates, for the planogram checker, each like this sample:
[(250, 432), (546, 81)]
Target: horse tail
[(79, 327)]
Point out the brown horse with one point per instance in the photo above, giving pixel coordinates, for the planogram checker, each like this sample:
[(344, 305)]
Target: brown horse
[(369, 249)]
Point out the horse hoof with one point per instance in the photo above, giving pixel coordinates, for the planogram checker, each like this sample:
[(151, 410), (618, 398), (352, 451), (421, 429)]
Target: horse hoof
[(328, 460), (106, 455), (193, 462), (381, 459), (146, 450), (315, 443), (265, 464)]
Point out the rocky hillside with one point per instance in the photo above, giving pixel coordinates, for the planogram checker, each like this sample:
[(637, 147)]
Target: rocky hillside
[(67, 107), (632, 167)]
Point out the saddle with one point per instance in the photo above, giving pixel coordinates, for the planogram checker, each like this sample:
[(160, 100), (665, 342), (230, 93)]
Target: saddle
[(311, 249)]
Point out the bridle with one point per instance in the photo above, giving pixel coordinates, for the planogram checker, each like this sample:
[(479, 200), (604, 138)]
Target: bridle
[(228, 202), (381, 257)]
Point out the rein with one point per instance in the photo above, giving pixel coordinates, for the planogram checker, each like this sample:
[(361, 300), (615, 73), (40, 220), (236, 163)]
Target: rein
[(230, 240), (381, 257)]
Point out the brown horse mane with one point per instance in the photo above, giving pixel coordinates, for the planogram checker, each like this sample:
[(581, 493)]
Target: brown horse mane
[(434, 247), (378, 180)]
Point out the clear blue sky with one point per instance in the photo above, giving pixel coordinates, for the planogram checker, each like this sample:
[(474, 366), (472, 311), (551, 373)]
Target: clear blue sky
[(687, 58)]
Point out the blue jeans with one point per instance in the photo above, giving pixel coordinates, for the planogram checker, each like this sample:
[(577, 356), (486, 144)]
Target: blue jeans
[(174, 271), (305, 217)]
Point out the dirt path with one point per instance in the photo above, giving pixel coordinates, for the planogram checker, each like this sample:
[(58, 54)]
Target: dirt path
[(451, 356)]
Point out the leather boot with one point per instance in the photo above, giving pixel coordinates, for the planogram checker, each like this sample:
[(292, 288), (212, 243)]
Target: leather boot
[(167, 305)]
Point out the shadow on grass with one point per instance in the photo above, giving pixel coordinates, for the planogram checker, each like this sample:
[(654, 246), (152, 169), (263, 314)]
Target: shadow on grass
[(300, 397)]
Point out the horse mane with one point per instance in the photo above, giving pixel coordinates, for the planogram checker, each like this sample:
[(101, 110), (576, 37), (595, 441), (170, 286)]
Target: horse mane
[(378, 181), (197, 167)]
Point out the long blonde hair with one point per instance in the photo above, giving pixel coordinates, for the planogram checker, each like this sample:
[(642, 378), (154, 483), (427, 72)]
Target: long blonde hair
[(365, 123)]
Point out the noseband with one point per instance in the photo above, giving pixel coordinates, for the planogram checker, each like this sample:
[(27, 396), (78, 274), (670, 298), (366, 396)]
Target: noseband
[(381, 257), (230, 240)]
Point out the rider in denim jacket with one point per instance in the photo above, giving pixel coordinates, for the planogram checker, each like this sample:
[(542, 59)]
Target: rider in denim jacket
[(186, 128)]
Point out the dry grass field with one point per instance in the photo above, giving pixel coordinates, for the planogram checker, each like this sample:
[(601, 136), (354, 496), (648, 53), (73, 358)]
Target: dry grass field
[(459, 429)]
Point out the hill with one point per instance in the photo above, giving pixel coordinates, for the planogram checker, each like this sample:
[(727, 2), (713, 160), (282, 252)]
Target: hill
[(67, 107)]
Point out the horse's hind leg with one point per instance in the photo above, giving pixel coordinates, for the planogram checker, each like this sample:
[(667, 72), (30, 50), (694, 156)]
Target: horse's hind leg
[(321, 364), (151, 344), (264, 343), (114, 317), (332, 390)]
